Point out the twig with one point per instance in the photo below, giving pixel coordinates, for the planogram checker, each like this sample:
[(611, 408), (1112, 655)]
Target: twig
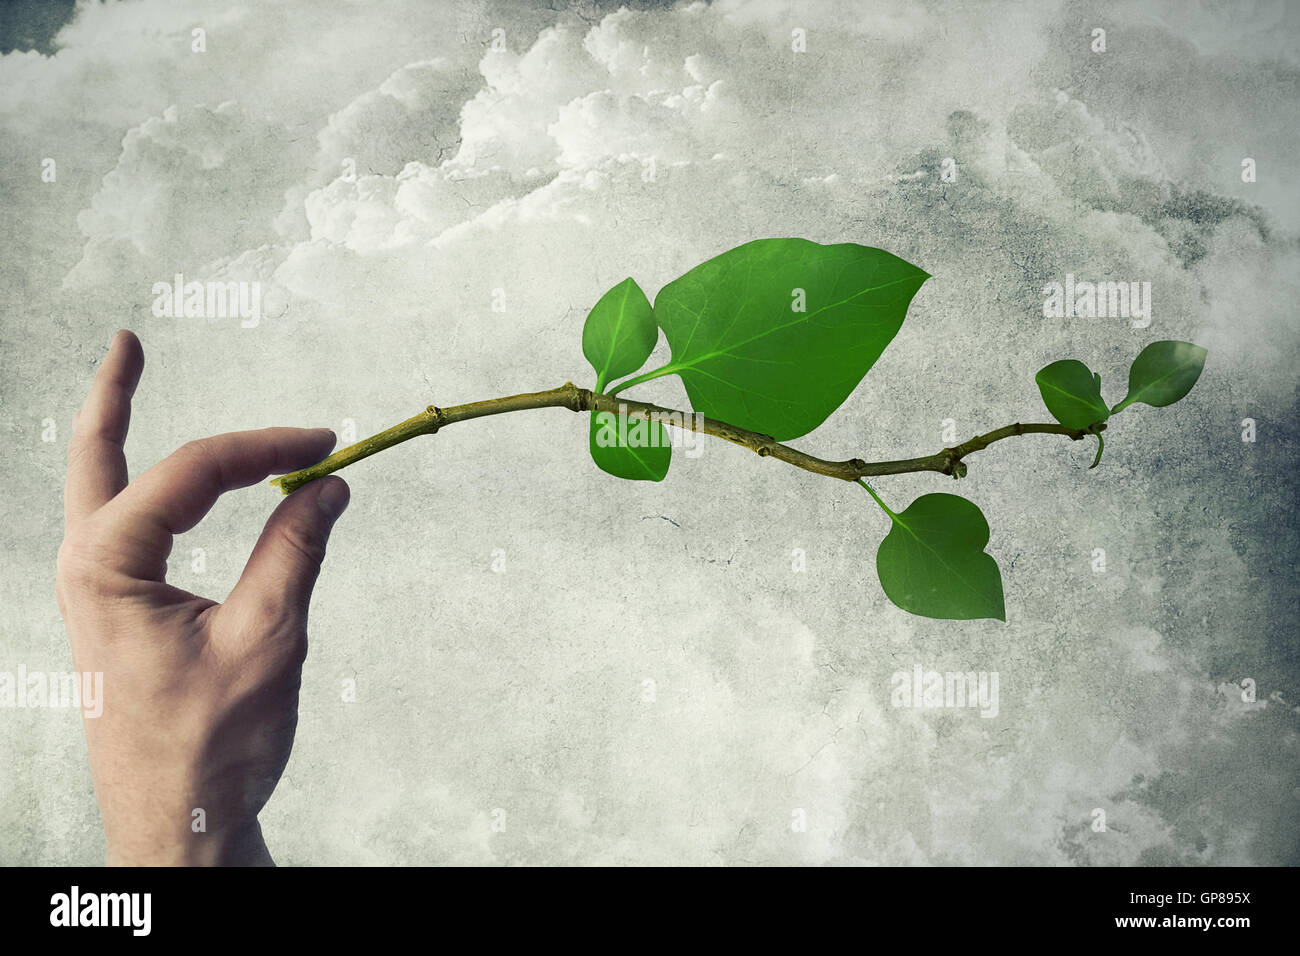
[(428, 422)]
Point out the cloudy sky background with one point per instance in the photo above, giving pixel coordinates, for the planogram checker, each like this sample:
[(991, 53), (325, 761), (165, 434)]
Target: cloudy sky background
[(524, 170)]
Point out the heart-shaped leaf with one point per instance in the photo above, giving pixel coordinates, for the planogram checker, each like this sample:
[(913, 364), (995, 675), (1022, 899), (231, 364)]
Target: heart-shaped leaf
[(775, 334), (1163, 373), (631, 448), (620, 333), (1072, 393), (932, 562)]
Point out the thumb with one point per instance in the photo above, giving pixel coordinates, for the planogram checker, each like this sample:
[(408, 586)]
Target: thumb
[(281, 572)]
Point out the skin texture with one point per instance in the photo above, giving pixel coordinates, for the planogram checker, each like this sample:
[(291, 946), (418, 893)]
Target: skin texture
[(200, 698)]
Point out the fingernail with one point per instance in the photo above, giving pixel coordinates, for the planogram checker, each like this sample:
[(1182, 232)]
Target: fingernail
[(333, 497)]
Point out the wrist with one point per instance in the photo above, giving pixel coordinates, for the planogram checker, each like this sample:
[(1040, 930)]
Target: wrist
[(241, 846)]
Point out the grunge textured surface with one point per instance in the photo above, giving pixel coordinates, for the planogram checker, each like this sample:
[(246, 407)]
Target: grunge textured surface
[(553, 666)]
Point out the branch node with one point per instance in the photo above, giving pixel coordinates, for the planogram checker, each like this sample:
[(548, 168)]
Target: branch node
[(436, 412), (952, 463)]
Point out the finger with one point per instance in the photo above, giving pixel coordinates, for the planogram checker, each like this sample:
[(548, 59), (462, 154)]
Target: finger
[(96, 462), (175, 494), (277, 581)]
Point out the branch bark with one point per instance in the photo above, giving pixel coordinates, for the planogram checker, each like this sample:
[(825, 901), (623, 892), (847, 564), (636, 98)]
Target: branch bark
[(948, 461)]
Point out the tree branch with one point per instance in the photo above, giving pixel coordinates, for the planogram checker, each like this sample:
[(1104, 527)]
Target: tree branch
[(428, 422)]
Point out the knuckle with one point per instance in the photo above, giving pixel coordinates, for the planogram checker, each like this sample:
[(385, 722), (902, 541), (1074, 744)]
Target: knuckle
[(202, 455), (197, 450), (279, 639), (72, 562), (85, 566), (78, 572), (304, 543)]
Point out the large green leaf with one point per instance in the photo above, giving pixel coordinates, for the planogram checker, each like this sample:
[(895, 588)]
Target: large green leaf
[(1072, 393), (774, 335), (932, 562), (1163, 373), (620, 333), (630, 448)]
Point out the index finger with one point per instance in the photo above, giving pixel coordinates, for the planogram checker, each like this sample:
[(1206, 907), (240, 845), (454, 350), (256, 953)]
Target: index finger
[(175, 494)]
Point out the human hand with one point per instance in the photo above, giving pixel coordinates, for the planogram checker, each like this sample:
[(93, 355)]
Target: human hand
[(200, 698)]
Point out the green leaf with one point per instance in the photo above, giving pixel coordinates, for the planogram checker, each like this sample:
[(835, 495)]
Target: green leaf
[(774, 335), (620, 333), (1072, 393), (932, 562), (630, 448), (1163, 373)]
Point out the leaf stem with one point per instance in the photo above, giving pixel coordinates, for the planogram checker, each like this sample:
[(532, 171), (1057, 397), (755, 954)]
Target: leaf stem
[(654, 373), (873, 494), (1101, 444), (947, 461)]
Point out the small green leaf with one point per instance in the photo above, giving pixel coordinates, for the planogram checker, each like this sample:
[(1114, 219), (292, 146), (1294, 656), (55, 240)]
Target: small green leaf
[(933, 563), (620, 333), (1163, 373), (630, 448), (775, 334), (1072, 393)]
